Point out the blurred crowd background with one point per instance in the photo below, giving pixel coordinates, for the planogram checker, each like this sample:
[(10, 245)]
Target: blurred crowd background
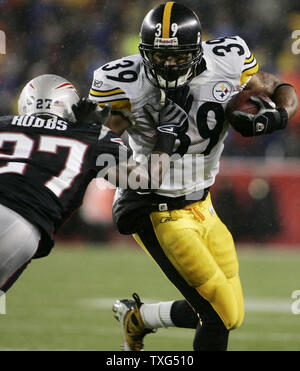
[(72, 38)]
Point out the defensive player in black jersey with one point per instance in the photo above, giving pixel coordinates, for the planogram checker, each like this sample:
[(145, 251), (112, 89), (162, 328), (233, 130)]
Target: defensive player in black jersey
[(48, 155)]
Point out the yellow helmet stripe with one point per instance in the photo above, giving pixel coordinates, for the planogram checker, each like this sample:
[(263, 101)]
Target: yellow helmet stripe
[(167, 20)]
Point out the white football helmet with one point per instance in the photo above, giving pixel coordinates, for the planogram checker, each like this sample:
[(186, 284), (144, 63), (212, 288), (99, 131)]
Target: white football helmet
[(48, 94)]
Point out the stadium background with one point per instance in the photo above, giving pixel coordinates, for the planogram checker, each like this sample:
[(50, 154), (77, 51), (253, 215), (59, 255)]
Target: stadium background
[(257, 193)]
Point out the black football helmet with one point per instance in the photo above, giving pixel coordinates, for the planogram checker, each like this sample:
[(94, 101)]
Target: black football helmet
[(170, 45)]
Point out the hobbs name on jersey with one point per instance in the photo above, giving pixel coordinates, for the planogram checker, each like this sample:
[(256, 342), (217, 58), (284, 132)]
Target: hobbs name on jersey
[(37, 122)]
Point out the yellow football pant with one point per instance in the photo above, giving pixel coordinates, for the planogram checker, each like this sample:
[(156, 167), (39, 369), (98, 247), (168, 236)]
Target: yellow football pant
[(201, 249)]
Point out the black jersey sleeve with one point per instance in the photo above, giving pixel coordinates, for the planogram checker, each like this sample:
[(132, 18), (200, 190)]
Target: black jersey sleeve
[(46, 165), (110, 150)]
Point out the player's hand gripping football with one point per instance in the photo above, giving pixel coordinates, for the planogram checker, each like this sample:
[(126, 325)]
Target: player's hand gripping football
[(86, 111), (266, 120)]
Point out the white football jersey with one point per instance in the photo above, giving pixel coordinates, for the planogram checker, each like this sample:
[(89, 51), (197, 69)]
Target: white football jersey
[(123, 84)]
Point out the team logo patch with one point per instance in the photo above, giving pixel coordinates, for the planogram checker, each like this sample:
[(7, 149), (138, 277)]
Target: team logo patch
[(222, 91), (97, 83)]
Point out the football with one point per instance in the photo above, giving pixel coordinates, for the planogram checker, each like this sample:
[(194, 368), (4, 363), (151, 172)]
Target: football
[(242, 102)]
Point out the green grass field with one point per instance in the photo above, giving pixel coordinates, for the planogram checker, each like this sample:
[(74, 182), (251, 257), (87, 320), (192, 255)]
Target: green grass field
[(63, 302)]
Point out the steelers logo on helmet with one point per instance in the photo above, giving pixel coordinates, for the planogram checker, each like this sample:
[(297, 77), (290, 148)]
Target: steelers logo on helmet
[(170, 45)]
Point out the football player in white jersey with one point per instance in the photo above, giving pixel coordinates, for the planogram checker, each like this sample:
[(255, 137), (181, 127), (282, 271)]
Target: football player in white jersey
[(176, 224)]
